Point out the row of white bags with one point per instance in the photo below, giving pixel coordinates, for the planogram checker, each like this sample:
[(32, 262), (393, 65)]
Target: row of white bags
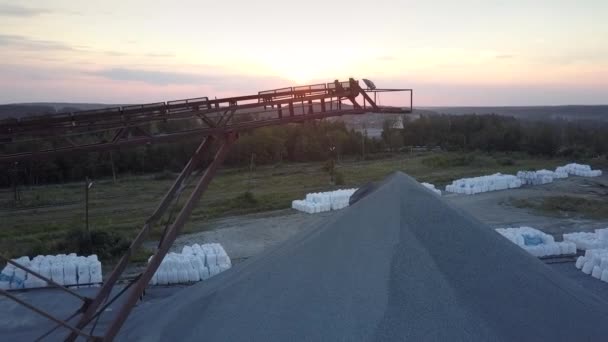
[(499, 181), (475, 185), (194, 263), (62, 269), (431, 187), (319, 202), (536, 242), (595, 263), (538, 177), (589, 240), (579, 170)]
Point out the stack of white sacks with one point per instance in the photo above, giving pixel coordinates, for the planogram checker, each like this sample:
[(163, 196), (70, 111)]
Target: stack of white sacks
[(319, 202), (499, 181), (595, 263), (476, 185), (432, 188), (547, 176), (586, 241), (540, 177), (579, 170), (62, 269), (194, 263), (595, 260), (536, 242)]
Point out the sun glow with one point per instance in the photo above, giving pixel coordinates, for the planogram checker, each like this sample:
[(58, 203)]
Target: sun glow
[(306, 67), (299, 76)]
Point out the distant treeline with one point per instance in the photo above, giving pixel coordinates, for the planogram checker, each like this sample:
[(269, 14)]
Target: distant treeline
[(535, 113), (324, 140), (578, 139), (311, 141), (23, 109)]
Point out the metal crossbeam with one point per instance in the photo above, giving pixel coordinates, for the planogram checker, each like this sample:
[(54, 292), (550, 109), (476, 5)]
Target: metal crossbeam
[(107, 129)]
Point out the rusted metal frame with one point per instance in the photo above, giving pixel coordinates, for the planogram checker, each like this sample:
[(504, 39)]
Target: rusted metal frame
[(75, 331), (367, 98), (279, 111), (356, 105), (170, 218), (187, 134), (119, 134), (221, 117), (179, 222), (227, 115), (100, 146), (411, 100), (82, 118), (141, 130), (93, 121), (84, 128), (61, 287), (105, 290), (33, 128), (110, 302), (388, 90), (41, 337), (206, 120)]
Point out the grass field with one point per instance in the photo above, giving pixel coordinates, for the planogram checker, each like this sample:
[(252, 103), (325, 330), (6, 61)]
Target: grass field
[(566, 206), (46, 214)]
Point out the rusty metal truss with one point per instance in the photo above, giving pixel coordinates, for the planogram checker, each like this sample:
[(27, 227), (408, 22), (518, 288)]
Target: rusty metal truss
[(216, 123)]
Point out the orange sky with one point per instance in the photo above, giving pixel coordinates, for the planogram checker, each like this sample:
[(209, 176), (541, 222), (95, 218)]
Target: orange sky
[(451, 53)]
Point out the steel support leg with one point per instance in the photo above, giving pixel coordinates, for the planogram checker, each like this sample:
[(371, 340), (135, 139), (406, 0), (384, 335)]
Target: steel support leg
[(369, 99), (76, 331), (171, 234), (90, 308)]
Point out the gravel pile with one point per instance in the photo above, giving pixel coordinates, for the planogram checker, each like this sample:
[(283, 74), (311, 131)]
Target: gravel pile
[(398, 264)]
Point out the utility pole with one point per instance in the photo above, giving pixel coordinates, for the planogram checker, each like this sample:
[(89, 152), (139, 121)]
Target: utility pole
[(14, 176), (251, 171), (113, 169), (363, 136), (87, 185), (332, 164)]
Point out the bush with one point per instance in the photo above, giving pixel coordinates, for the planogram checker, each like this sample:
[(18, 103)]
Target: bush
[(329, 166), (106, 244), (165, 175), (339, 177), (442, 160), (506, 162), (378, 156), (245, 200)]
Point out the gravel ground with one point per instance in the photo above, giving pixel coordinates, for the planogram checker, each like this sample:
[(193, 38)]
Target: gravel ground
[(397, 265), (246, 236), (493, 209)]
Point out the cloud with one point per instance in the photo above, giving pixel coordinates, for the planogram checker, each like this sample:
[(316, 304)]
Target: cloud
[(115, 53), (162, 55), (7, 10), (387, 58), (154, 77), (505, 56), (26, 43), (216, 80)]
